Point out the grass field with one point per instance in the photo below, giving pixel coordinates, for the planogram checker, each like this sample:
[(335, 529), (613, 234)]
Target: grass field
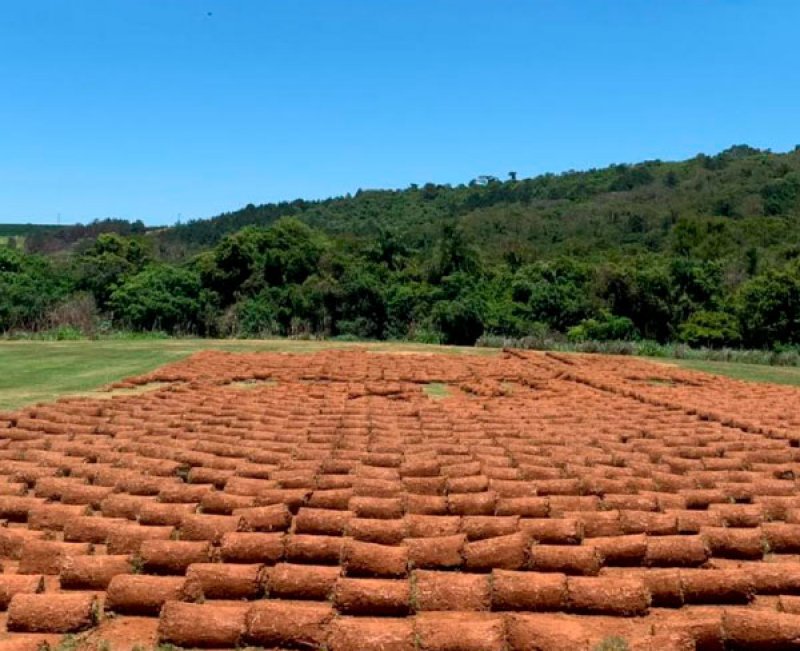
[(748, 372), (36, 371)]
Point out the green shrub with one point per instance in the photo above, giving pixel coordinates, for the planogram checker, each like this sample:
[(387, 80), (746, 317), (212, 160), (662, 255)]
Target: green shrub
[(769, 308), (606, 327), (29, 288), (68, 333), (458, 321), (425, 335), (711, 329), (256, 316), (612, 643), (162, 297)]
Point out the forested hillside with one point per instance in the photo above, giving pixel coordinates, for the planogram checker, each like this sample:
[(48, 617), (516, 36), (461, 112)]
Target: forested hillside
[(705, 251), (741, 196)]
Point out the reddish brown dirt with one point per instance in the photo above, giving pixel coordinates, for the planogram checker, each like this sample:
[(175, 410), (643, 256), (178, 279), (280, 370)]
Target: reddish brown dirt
[(547, 502)]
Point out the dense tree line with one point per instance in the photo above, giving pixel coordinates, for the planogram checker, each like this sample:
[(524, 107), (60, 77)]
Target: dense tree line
[(705, 251)]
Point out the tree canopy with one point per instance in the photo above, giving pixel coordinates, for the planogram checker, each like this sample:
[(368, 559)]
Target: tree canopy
[(704, 251)]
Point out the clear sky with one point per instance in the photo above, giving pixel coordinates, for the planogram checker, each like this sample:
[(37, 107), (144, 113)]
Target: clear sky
[(151, 109)]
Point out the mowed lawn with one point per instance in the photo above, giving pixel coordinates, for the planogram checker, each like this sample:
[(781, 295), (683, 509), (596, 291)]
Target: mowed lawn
[(37, 371), (748, 372)]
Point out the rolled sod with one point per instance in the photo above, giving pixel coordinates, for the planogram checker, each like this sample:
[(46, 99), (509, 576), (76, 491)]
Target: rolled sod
[(297, 581), (372, 596), (450, 591), (362, 633), (227, 580), (293, 624), (201, 625), (92, 572), (13, 584), (529, 591), (607, 595), (58, 612), (142, 594), (460, 631), (173, 556)]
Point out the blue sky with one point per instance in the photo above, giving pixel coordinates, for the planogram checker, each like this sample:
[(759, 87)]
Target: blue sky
[(151, 109)]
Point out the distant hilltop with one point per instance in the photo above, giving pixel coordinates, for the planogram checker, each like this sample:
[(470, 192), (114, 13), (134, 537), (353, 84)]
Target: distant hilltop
[(615, 207)]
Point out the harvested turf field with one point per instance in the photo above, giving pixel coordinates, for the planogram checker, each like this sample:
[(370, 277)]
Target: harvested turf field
[(348, 500), (34, 371)]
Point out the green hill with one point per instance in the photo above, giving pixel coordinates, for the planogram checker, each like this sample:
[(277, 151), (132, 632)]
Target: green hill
[(740, 198), (704, 251)]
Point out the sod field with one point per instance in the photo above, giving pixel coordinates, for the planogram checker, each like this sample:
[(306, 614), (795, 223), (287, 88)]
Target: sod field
[(36, 371), (528, 492)]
